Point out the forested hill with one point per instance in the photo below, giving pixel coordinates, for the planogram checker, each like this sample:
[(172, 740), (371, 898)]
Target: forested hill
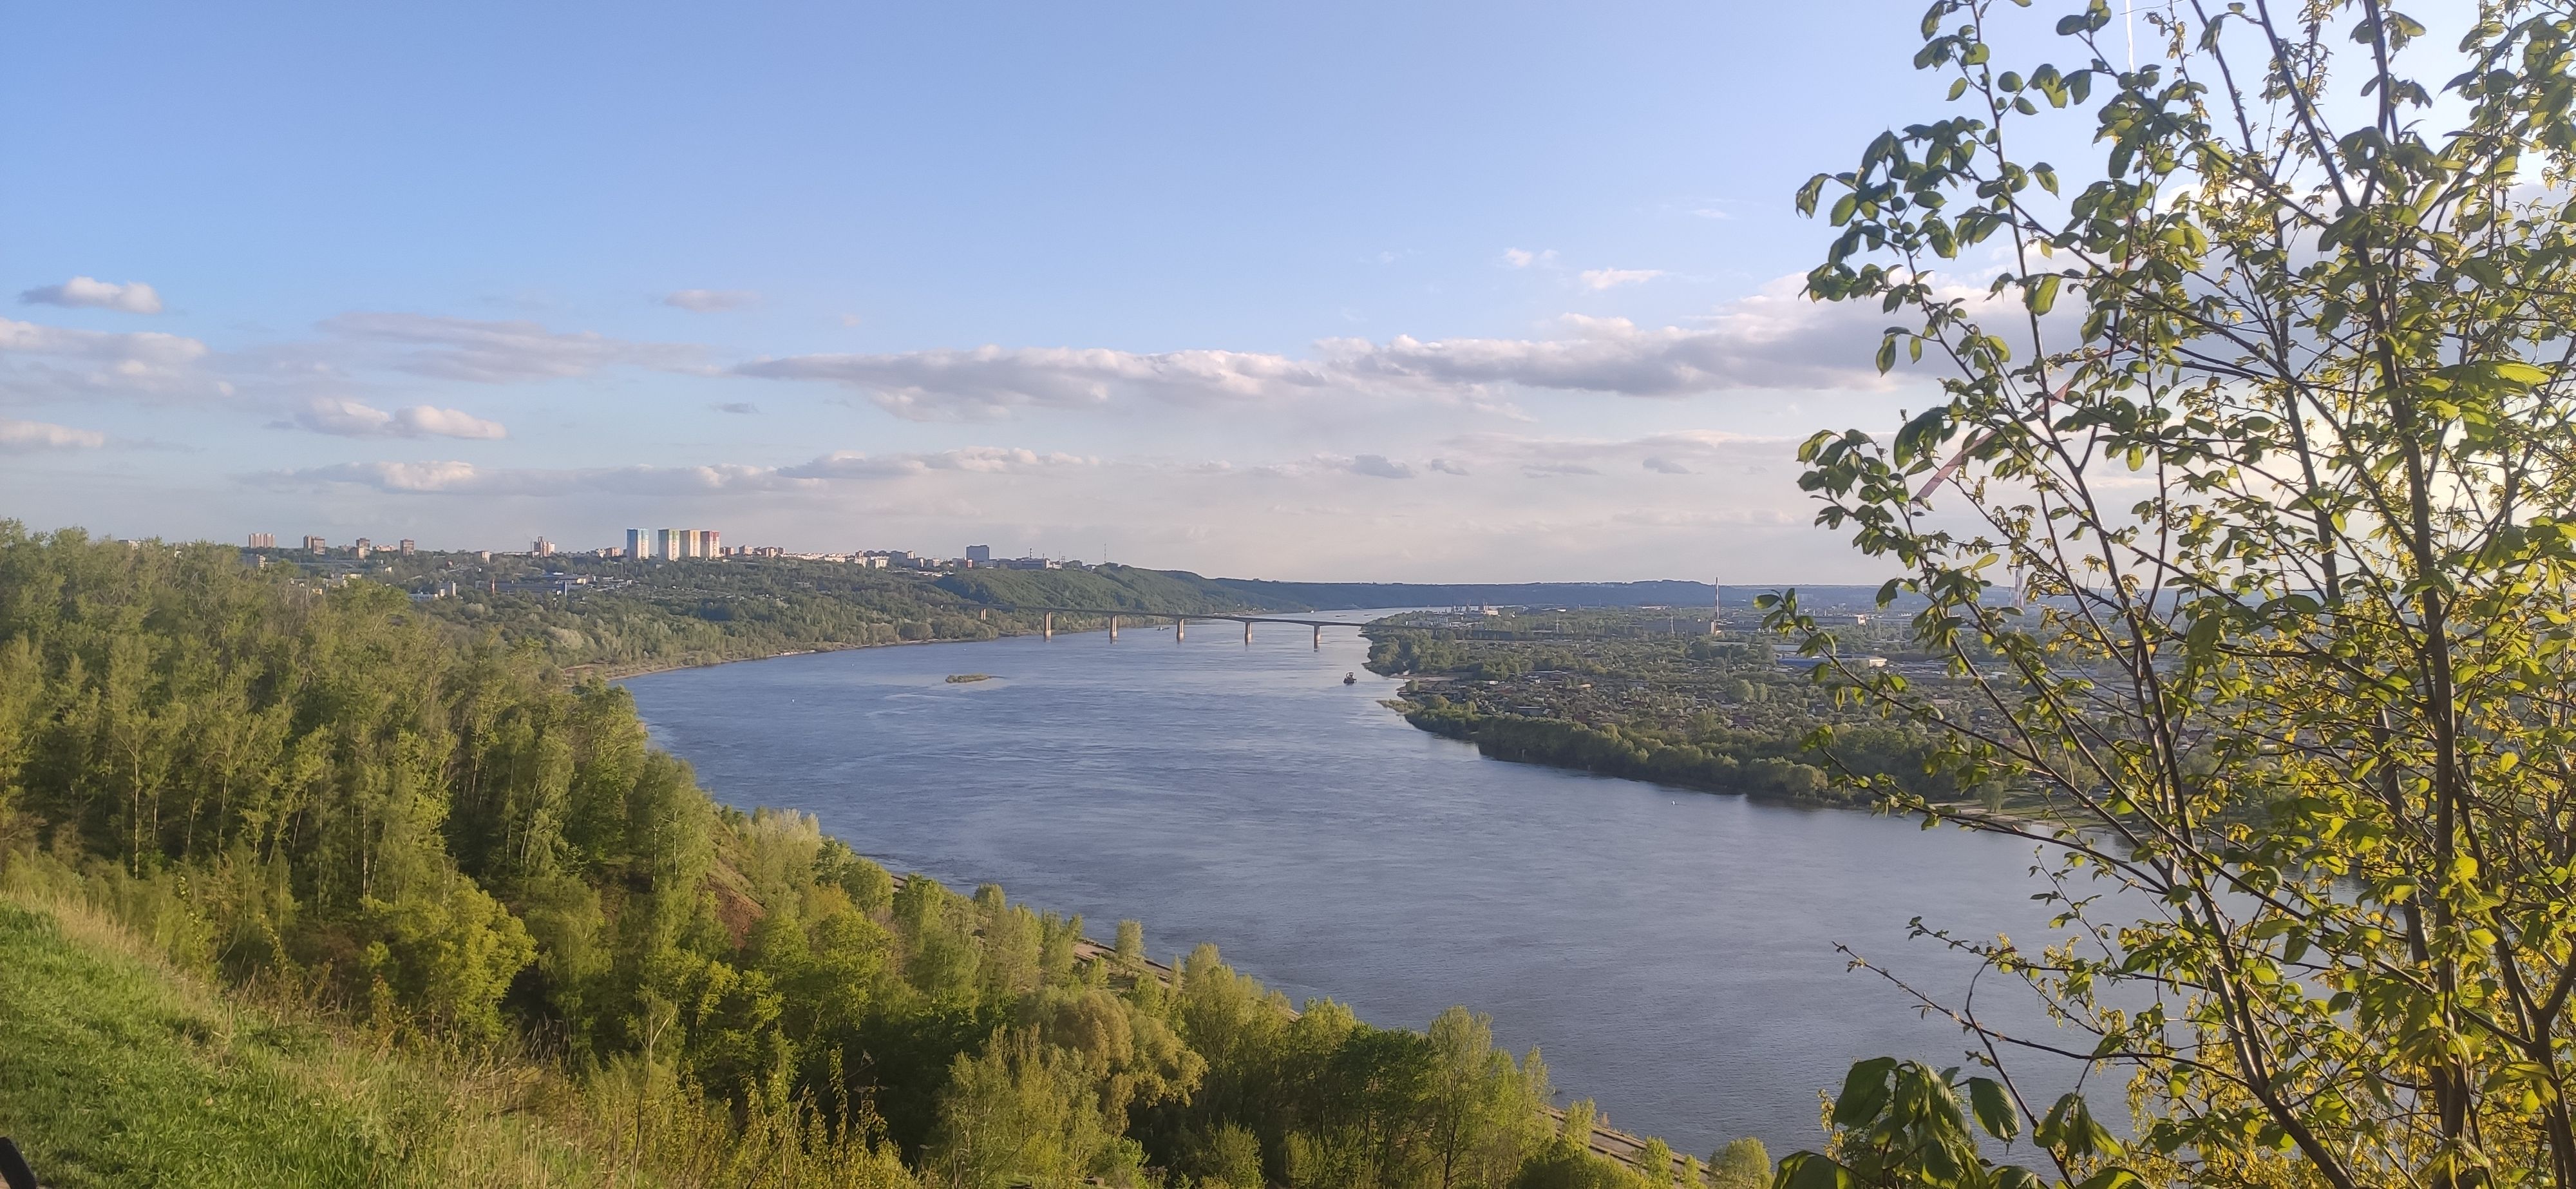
[(409, 823), (1130, 588), (1339, 596), (1117, 588)]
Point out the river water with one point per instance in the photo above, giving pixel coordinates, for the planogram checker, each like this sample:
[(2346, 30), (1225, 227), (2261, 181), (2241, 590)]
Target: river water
[(1671, 952)]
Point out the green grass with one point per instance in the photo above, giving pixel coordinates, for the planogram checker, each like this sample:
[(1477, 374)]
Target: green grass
[(117, 1070)]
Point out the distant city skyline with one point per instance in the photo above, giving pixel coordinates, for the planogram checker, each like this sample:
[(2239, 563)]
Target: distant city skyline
[(1453, 293)]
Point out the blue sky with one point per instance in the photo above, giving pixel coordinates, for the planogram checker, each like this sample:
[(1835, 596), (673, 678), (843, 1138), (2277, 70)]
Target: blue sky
[(1301, 291)]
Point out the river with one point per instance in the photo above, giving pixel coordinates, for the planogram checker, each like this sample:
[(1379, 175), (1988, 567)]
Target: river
[(1671, 952)]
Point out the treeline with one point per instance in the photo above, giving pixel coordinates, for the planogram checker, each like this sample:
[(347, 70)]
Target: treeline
[(1715, 758), (336, 796), (1112, 588), (658, 616)]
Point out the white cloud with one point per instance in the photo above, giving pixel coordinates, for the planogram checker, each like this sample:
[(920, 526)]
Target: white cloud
[(501, 352), (350, 419), (132, 297), (387, 476), (1776, 338), (709, 301), (464, 478), (432, 421), (1445, 466), (990, 381), (19, 436), (1671, 453), (57, 362), (150, 348), (742, 408), (1597, 279), (1522, 258), (849, 464), (1380, 466)]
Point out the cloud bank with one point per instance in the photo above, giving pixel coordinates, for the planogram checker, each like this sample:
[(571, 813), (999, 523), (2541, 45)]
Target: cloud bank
[(349, 419), (132, 297), (450, 477), (484, 352), (26, 436), (1776, 339), (991, 381)]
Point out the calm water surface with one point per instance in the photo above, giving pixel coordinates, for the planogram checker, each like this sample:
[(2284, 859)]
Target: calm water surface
[(1670, 951)]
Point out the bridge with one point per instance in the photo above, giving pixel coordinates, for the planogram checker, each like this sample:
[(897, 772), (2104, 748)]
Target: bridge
[(1180, 620)]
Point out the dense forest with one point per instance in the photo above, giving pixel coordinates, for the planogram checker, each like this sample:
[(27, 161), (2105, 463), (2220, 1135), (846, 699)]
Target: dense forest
[(424, 828), (616, 617), (1649, 695)]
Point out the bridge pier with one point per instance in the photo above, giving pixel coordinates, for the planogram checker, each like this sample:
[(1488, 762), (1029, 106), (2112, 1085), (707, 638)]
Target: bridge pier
[(1113, 627), (1319, 637), (1247, 631), (1180, 629), (1049, 629)]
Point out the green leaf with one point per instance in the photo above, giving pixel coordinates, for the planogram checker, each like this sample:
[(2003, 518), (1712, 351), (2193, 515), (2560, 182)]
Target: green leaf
[(1809, 1170), (1864, 1092), (1994, 1111), (2111, 1178), (2043, 296), (2523, 374)]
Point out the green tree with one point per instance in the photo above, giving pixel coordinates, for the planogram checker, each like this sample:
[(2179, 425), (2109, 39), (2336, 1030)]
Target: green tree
[(1019, 1113), (1741, 1164), (1233, 1159), (2267, 419), (1483, 1107)]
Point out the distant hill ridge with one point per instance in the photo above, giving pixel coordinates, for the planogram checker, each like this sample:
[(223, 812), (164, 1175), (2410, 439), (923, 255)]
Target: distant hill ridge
[(1115, 587)]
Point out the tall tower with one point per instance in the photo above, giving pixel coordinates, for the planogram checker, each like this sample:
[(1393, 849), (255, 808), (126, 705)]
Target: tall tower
[(1716, 605)]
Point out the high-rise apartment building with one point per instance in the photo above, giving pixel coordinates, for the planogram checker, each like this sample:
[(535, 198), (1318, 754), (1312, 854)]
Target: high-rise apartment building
[(541, 547), (365, 547), (666, 544), (406, 547), (710, 543), (315, 545), (638, 545), (263, 540), (979, 554)]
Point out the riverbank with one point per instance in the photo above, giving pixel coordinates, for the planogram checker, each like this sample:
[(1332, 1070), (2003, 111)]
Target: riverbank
[(1671, 951)]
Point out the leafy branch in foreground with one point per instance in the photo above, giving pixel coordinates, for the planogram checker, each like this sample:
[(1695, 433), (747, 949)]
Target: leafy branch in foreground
[(2267, 426)]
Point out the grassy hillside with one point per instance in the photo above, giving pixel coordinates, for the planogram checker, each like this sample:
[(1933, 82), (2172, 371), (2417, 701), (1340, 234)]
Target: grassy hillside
[(116, 1069)]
